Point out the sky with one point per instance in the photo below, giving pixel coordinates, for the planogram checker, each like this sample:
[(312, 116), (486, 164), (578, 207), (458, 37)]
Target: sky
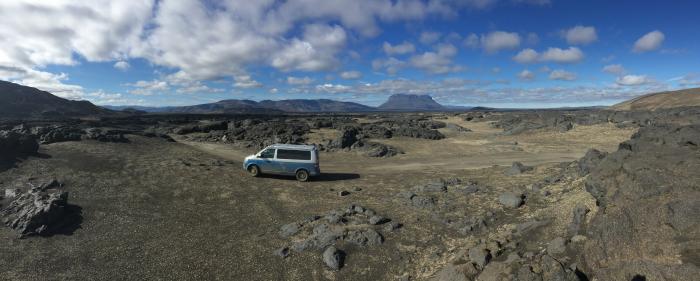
[(500, 53)]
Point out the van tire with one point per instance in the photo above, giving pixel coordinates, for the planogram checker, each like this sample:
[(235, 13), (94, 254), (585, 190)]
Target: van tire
[(253, 170), (302, 175)]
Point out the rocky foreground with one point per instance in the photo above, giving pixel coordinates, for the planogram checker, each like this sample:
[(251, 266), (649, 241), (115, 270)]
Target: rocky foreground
[(628, 214)]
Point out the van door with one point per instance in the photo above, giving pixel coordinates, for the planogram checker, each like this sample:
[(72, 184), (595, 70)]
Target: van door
[(291, 160), (267, 161)]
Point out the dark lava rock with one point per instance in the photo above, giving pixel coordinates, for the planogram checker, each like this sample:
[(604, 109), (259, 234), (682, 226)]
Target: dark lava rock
[(391, 226), (510, 199), (518, 168), (377, 220), (289, 229), (282, 252), (381, 150), (579, 216), (57, 133), (480, 256), (333, 258), (14, 144), (647, 192), (104, 135), (557, 246), (590, 160), (364, 237), (348, 137), (457, 128), (38, 213), (343, 193), (434, 186)]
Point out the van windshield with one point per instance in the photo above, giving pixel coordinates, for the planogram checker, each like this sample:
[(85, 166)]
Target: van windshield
[(293, 154), (268, 153)]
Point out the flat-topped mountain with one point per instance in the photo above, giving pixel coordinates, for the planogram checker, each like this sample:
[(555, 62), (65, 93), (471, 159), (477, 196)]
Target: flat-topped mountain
[(406, 102), (680, 98), (22, 102)]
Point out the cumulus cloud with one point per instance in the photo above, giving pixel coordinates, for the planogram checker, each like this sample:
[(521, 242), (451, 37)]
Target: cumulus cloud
[(390, 65), (351, 75), (316, 52), (499, 40), (472, 41), (438, 62), (245, 82), (563, 75), (526, 56), (633, 80), (580, 35), (147, 88), (299, 80), (649, 42), (122, 65), (429, 37), (615, 69), (570, 55), (400, 49), (526, 75)]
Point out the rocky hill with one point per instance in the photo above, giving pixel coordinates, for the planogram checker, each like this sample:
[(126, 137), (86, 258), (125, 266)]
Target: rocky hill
[(320, 105), (681, 98), (406, 102), (22, 102)]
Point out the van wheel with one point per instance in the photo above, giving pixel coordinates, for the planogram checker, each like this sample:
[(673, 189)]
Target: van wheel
[(254, 170), (302, 175)]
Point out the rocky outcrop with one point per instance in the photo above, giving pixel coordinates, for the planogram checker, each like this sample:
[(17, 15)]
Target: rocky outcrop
[(13, 144), (43, 210), (647, 192)]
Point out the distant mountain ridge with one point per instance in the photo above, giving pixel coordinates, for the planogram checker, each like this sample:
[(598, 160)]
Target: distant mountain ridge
[(23, 102), (406, 102)]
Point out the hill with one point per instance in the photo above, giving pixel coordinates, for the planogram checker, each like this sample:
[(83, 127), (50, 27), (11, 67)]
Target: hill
[(680, 98), (321, 105), (22, 102), (406, 102)]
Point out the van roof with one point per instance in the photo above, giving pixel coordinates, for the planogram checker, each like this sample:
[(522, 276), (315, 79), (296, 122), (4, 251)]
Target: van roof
[(293, 146)]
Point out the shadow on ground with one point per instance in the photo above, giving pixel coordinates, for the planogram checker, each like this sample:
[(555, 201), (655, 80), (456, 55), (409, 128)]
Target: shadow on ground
[(321, 178)]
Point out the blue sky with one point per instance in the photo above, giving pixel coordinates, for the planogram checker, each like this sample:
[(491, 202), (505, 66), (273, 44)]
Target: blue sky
[(504, 53)]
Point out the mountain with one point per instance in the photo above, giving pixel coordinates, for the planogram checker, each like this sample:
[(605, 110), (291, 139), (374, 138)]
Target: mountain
[(22, 102), (321, 105), (680, 98), (406, 102), (262, 107)]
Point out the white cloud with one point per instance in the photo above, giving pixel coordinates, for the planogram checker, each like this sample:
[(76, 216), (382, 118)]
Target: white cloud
[(499, 40), (472, 41), (147, 88), (532, 38), (689, 80), (245, 82), (274, 91), (526, 75), (616, 69), (526, 56), (563, 75), (351, 75), (429, 37), (649, 42), (633, 80), (316, 52), (333, 88), (299, 80), (438, 62), (580, 35), (122, 65), (390, 65), (400, 49), (570, 55)]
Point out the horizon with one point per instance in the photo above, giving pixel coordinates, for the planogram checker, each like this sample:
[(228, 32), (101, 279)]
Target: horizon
[(462, 53)]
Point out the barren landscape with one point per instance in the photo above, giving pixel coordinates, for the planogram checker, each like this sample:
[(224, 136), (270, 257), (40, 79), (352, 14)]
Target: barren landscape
[(517, 195)]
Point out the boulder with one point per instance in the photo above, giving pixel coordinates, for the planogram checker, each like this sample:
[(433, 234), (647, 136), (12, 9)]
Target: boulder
[(37, 213), (333, 258), (511, 199), (518, 168), (13, 144)]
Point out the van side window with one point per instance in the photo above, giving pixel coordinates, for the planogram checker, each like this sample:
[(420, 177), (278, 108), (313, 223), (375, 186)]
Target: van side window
[(268, 153), (293, 154)]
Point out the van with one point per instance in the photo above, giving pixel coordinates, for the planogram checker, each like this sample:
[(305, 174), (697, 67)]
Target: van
[(296, 160)]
